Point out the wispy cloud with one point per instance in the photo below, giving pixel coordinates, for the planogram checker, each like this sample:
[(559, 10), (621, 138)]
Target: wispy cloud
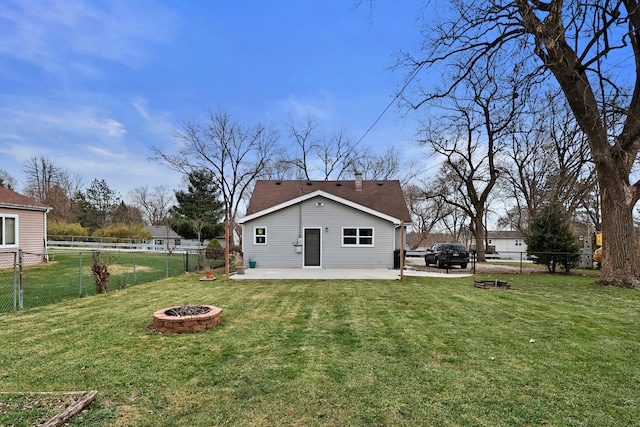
[(55, 35), (84, 121)]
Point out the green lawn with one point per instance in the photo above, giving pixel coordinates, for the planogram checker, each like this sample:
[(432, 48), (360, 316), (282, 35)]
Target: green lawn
[(557, 351)]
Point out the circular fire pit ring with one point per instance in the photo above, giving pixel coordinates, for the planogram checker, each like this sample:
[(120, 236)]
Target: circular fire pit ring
[(186, 318)]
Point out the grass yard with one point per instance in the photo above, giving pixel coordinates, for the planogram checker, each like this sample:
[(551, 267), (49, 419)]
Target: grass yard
[(557, 351)]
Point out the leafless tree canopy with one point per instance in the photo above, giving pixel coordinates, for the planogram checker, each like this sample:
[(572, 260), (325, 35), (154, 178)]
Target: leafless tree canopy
[(53, 186), (154, 203), (581, 48), (235, 154)]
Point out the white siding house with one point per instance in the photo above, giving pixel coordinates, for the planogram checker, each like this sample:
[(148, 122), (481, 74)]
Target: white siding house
[(305, 224), (507, 244)]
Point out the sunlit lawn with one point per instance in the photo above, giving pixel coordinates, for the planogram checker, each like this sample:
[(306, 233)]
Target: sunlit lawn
[(557, 350)]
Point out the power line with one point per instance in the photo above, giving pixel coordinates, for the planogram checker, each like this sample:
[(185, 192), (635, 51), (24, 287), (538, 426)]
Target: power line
[(412, 75)]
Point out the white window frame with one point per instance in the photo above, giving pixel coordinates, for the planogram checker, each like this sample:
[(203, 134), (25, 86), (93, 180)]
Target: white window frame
[(359, 237), (3, 231), (256, 235)]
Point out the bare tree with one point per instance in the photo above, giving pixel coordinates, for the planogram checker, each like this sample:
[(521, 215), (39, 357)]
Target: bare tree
[(548, 162), (580, 46), (7, 180), (53, 186), (306, 147), (154, 203), (480, 115), (312, 155), (236, 155), (388, 165), (427, 211), (41, 175)]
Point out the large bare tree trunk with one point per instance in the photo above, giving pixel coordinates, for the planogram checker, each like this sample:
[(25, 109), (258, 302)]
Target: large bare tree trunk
[(479, 235), (621, 263), (619, 247)]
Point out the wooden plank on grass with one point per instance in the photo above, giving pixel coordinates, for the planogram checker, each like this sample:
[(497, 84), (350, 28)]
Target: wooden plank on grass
[(72, 410)]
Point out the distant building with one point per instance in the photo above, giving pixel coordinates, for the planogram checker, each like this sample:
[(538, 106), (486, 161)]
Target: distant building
[(504, 244), (164, 238)]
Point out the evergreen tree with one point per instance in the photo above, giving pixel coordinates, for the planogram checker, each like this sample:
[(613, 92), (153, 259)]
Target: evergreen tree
[(97, 204), (550, 239), (199, 210)]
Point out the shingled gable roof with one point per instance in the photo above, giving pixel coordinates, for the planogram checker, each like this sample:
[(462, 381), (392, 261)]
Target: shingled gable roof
[(11, 199), (383, 196)]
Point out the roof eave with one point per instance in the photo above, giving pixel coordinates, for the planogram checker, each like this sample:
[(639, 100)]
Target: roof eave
[(320, 193), (25, 207)]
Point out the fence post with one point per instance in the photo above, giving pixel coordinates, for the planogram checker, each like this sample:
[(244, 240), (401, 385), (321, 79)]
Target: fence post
[(166, 259), (520, 262), (134, 268), (20, 276), (15, 281), (80, 275)]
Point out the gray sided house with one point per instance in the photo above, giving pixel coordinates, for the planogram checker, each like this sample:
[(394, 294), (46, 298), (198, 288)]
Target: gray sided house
[(164, 238), (23, 226), (324, 224)]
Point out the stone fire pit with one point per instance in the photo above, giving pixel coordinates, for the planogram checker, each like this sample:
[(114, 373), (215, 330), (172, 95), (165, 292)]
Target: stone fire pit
[(186, 318)]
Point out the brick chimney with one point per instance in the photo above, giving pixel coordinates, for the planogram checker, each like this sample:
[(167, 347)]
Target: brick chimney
[(358, 181)]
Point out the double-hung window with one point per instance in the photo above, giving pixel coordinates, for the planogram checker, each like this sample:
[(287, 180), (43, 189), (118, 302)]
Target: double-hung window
[(357, 236), (8, 230), (260, 235)]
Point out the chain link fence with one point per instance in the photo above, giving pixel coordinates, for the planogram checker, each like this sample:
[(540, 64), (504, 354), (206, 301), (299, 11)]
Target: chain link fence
[(26, 281), (8, 281)]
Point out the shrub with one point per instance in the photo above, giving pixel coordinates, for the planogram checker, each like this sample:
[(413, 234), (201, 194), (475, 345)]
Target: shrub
[(61, 228), (124, 231)]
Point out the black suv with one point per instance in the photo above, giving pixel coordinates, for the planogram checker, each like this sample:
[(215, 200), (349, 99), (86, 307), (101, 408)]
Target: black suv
[(447, 254)]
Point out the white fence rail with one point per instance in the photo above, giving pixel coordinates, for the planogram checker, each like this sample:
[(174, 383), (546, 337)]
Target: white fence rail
[(129, 246)]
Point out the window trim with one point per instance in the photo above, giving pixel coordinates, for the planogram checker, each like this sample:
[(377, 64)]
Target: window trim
[(256, 235), (359, 237), (3, 231)]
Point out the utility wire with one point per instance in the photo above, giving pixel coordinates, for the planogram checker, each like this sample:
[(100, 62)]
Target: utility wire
[(412, 75)]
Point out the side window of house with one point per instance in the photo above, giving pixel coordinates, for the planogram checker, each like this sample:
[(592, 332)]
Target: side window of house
[(357, 236), (260, 235), (8, 230)]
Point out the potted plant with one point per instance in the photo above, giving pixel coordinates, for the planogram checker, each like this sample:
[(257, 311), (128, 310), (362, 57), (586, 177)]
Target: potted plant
[(208, 272)]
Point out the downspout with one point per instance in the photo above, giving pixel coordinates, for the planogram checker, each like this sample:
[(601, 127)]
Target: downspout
[(46, 239), (300, 215)]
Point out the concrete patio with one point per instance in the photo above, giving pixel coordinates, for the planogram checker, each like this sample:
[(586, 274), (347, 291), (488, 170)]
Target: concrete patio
[(335, 274)]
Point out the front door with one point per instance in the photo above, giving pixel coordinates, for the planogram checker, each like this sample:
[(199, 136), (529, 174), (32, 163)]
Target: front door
[(312, 247)]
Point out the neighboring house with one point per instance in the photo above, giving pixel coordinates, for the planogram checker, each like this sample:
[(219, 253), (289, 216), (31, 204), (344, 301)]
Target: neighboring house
[(324, 224), (507, 244), (164, 238), (23, 226)]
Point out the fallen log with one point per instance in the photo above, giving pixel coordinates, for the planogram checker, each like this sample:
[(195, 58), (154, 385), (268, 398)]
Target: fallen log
[(73, 409)]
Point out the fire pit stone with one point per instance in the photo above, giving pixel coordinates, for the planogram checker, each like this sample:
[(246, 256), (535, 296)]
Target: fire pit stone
[(186, 318)]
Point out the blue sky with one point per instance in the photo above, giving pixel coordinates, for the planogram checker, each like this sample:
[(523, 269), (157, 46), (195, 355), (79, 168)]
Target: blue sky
[(93, 84)]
